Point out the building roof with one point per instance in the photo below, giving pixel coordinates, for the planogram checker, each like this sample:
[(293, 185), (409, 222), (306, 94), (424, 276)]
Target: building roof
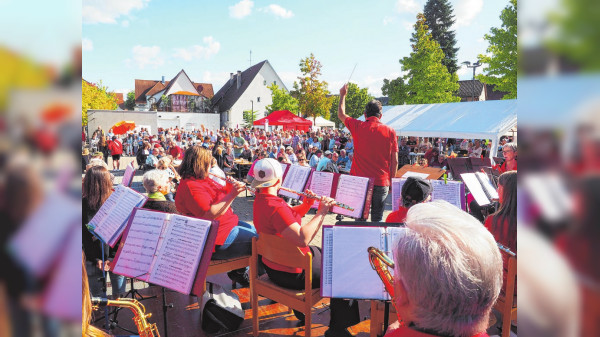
[(119, 96), (491, 95), (226, 97), (470, 88), (145, 88)]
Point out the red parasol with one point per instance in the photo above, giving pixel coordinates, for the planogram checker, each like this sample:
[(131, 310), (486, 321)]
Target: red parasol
[(122, 127)]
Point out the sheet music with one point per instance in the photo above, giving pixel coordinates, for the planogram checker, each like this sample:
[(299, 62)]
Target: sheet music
[(470, 179), (128, 175), (450, 192), (353, 276), (487, 184), (321, 183), (296, 180), (179, 255), (352, 191), (397, 184), (327, 272), (141, 242), (415, 174), (110, 220)]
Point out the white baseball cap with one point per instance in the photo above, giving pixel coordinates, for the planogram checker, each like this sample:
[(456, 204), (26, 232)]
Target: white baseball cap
[(266, 173)]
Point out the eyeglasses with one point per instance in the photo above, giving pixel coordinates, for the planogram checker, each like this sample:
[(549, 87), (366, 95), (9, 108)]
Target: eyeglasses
[(503, 151)]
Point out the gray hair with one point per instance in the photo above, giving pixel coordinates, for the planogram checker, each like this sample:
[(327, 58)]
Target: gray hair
[(450, 267), (512, 146), (154, 179)]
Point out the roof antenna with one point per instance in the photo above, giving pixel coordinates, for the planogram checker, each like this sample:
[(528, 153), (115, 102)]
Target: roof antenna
[(251, 58)]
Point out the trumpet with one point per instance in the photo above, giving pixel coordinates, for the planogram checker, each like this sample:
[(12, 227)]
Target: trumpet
[(306, 195), (380, 263), (140, 318)]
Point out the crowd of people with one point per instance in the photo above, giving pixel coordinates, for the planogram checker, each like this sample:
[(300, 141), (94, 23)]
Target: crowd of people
[(446, 252)]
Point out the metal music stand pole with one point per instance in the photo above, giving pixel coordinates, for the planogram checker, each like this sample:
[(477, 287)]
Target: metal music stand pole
[(165, 309)]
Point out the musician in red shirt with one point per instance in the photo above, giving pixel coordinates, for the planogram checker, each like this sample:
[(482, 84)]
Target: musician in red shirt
[(375, 150), (414, 191), (116, 149), (448, 274)]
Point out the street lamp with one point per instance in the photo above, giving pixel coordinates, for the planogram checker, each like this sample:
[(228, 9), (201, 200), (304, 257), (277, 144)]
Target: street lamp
[(252, 111), (474, 66)]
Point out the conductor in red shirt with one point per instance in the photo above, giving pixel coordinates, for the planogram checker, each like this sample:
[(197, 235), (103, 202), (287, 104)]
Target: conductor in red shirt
[(375, 150)]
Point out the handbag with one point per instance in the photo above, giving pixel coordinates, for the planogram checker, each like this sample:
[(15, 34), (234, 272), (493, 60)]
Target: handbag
[(221, 310)]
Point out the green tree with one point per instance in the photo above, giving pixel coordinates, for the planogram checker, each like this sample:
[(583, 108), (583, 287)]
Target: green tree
[(428, 80), (440, 18), (95, 96), (395, 90), (249, 117), (356, 100), (282, 100), (130, 101), (313, 96), (501, 57), (165, 102)]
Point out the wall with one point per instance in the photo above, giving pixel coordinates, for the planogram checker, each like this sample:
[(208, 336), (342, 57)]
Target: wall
[(188, 120)]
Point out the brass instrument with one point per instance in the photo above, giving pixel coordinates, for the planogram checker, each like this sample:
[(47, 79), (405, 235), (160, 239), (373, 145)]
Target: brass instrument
[(140, 318), (380, 263), (253, 191)]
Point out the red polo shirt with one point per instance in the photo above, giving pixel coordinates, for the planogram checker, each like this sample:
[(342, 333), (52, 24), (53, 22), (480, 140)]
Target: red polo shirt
[(195, 197), (404, 331), (374, 144), (397, 216), (176, 152), (272, 215)]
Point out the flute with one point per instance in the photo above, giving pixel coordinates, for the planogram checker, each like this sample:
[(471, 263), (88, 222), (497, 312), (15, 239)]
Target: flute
[(306, 195)]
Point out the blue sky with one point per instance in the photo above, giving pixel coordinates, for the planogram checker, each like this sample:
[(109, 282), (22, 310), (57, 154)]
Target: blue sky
[(124, 40)]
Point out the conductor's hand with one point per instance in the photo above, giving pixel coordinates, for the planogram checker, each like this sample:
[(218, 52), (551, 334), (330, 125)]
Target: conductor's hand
[(344, 90), (325, 204), (238, 187)]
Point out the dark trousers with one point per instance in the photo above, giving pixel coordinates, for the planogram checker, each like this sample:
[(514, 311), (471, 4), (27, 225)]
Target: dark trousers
[(378, 202), (344, 313)]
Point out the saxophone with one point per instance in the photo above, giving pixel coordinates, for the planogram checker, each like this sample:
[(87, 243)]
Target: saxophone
[(140, 318)]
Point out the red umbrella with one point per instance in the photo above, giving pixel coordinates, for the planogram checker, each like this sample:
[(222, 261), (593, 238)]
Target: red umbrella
[(122, 127)]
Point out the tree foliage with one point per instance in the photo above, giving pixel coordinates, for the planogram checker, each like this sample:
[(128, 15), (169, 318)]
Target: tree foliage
[(95, 97), (428, 80), (356, 100), (249, 117), (282, 100), (395, 90), (312, 94), (501, 57), (130, 101), (440, 18)]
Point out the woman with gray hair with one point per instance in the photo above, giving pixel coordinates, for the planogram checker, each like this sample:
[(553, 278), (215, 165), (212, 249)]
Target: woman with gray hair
[(156, 183), (448, 273), (509, 150)]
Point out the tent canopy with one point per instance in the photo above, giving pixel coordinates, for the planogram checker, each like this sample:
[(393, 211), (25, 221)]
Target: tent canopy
[(322, 122), (287, 119), (483, 119)]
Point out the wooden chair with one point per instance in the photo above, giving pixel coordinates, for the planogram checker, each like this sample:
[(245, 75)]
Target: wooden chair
[(507, 302), (281, 251), (377, 315), (223, 266)]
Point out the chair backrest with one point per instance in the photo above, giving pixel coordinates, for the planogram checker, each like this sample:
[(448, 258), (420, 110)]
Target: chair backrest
[(280, 251)]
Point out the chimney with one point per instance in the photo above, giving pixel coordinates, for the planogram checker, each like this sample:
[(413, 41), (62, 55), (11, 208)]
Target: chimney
[(230, 78), (163, 80), (239, 79)]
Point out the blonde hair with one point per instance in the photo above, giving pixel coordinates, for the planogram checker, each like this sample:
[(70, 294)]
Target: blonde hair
[(87, 330)]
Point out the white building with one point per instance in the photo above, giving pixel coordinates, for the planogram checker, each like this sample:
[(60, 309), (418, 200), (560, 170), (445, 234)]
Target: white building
[(246, 90)]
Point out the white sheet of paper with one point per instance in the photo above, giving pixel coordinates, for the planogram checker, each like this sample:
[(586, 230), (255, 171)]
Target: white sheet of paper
[(128, 175), (475, 188), (110, 220), (449, 192), (296, 180), (397, 184), (487, 184), (353, 276), (321, 183), (180, 252), (415, 174), (327, 272), (137, 255), (352, 191)]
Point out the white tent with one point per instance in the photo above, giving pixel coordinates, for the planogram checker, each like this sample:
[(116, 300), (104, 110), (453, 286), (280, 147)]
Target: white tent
[(323, 123), (483, 120)]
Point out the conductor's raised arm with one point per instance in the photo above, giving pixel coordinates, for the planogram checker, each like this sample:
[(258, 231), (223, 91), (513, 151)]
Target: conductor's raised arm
[(342, 107)]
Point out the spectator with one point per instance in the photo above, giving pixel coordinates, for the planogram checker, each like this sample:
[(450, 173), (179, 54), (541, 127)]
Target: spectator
[(403, 153), (116, 149), (315, 158), (156, 183), (476, 150), (343, 159), (152, 160)]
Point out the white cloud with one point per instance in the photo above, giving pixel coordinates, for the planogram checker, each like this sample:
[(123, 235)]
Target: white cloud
[(124, 92), (146, 56), (409, 26), (87, 44), (241, 9), (216, 79), (278, 11), (407, 6), (125, 23), (388, 19), (210, 48), (107, 11), (466, 11)]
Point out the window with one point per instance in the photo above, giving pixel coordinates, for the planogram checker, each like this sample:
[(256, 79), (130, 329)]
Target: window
[(257, 99), (275, 82), (265, 82)]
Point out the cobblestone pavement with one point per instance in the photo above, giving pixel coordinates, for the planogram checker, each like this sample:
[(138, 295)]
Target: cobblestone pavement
[(242, 206)]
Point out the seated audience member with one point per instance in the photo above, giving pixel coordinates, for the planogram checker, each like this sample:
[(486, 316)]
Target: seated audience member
[(165, 164), (96, 160), (476, 150), (152, 160), (273, 216), (414, 191), (432, 154), (439, 161), (302, 159), (343, 159), (290, 154), (448, 274), (323, 161), (156, 183), (349, 163), (260, 154), (422, 162), (315, 159), (331, 165)]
